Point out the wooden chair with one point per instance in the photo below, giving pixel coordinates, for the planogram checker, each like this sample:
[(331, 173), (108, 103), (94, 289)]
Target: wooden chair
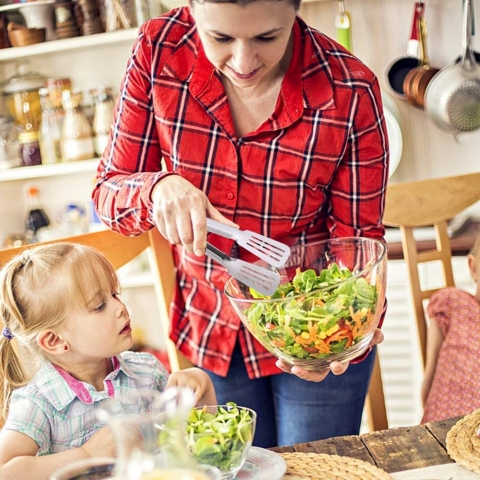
[(120, 250), (428, 203)]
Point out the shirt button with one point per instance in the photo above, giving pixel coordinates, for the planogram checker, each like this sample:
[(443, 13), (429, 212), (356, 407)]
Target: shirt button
[(230, 195)]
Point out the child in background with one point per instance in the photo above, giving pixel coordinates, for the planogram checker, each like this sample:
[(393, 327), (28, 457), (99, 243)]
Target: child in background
[(451, 386), (60, 305)]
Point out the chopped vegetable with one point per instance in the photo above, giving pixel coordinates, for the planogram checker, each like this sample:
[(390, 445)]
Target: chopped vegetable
[(220, 439), (315, 315)]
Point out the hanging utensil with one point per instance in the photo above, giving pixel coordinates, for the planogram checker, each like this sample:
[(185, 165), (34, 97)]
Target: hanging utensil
[(343, 27), (417, 79), (273, 252), (260, 279), (398, 70), (452, 98)]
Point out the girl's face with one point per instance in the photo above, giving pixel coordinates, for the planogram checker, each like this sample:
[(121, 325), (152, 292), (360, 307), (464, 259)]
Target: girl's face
[(246, 43), (100, 330)]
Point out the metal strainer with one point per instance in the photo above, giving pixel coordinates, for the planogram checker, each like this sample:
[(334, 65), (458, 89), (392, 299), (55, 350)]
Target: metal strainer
[(452, 98), (463, 107)]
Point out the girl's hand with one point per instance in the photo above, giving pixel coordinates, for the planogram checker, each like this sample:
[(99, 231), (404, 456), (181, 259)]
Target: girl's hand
[(198, 381), (337, 368), (180, 211), (100, 444)]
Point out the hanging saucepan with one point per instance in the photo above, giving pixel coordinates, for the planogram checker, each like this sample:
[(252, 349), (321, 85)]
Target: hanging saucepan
[(418, 78), (452, 98), (397, 71)]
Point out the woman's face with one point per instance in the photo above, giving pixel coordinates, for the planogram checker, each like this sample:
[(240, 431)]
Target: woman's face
[(247, 43)]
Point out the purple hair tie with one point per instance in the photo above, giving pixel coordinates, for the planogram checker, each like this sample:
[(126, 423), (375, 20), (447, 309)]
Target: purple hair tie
[(7, 333)]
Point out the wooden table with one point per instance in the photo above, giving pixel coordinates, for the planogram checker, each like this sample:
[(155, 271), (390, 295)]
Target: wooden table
[(392, 450)]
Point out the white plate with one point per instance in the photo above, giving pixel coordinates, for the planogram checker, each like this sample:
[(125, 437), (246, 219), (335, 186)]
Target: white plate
[(262, 464), (395, 140), (450, 471)]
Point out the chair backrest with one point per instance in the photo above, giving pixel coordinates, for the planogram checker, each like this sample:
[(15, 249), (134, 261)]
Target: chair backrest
[(422, 203), (120, 250)]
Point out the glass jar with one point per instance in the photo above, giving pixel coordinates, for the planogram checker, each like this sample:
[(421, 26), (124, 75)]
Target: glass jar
[(30, 149), (23, 101), (102, 117), (9, 144), (55, 87), (50, 134), (77, 134)]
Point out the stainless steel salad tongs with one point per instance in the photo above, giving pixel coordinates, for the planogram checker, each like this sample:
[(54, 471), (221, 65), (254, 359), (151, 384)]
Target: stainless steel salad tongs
[(273, 252), (259, 278)]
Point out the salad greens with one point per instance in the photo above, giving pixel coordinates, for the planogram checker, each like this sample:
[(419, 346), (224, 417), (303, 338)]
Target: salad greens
[(328, 319), (220, 439)]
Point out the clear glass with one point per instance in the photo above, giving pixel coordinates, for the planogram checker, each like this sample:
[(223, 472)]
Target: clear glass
[(136, 420), (50, 134), (326, 323), (226, 445), (91, 469), (9, 143), (102, 117), (77, 133)]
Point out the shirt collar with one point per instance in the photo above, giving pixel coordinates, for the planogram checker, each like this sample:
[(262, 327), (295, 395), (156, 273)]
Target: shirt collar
[(61, 388)]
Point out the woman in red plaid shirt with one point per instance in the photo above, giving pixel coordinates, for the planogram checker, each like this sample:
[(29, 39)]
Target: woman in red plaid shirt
[(238, 111)]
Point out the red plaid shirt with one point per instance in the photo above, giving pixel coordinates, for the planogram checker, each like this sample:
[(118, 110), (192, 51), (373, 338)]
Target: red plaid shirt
[(316, 168)]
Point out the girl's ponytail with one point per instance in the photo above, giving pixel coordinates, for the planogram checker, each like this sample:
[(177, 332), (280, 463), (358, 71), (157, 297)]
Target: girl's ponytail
[(12, 374)]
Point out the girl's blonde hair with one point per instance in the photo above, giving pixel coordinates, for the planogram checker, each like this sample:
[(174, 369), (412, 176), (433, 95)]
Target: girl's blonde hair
[(39, 289), (475, 251)]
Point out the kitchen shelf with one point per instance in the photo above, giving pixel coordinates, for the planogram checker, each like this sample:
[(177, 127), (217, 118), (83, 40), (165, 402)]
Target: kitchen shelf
[(67, 44), (40, 171)]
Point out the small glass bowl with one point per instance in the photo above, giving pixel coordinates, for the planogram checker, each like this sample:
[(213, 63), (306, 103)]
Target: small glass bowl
[(318, 323), (224, 447)]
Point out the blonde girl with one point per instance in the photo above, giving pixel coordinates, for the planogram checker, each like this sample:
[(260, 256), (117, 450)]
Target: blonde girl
[(63, 349)]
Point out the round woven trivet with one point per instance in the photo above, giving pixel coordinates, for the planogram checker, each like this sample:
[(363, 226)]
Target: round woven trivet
[(463, 444), (320, 466)]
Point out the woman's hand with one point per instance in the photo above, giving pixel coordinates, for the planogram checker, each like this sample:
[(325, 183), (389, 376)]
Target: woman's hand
[(337, 368), (180, 212), (198, 381)]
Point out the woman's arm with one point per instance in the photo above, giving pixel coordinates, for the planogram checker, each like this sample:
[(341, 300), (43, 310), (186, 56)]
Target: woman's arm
[(18, 452), (434, 343), (131, 163)]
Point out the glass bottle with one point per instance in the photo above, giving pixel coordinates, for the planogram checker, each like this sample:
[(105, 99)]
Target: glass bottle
[(137, 420), (102, 117), (50, 134), (36, 216), (77, 134)]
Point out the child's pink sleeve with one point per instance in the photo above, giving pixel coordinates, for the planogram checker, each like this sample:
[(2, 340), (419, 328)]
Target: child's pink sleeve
[(440, 308)]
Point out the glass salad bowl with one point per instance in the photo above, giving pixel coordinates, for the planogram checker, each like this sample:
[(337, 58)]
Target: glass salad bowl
[(218, 436), (326, 307)]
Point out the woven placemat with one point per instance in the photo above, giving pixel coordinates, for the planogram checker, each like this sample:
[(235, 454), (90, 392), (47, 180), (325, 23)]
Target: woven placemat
[(320, 466), (463, 444)]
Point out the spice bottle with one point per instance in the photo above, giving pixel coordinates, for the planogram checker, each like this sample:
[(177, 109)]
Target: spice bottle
[(50, 134), (29, 149), (36, 216), (102, 118), (77, 134)]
